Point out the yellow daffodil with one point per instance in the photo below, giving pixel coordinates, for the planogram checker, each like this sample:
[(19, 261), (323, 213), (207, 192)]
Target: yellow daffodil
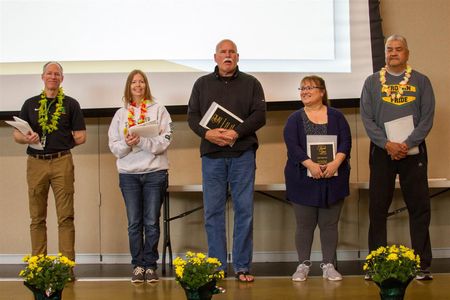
[(393, 261), (392, 256), (380, 250), (197, 269), (47, 272)]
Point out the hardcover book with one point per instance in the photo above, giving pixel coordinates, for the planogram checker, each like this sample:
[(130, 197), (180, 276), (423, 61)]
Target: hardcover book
[(321, 149), (218, 116)]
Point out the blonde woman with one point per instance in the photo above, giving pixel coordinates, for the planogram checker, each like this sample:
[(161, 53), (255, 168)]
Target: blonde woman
[(142, 165)]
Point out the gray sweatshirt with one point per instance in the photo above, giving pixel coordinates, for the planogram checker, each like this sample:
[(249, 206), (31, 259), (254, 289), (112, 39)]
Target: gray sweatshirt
[(417, 100)]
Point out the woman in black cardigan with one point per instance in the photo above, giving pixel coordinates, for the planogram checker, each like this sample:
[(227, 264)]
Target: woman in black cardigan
[(317, 189)]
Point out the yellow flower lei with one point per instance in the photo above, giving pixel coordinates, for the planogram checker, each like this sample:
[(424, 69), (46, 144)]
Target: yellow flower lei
[(385, 88), (48, 127)]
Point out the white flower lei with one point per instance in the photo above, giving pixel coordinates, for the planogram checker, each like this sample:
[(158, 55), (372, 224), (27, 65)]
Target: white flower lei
[(385, 88)]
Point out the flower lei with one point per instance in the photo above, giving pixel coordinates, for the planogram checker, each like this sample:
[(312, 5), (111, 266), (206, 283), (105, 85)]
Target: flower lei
[(48, 127), (131, 117), (385, 88)]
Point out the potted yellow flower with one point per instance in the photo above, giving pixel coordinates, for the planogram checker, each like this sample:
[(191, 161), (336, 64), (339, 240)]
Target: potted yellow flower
[(198, 274), (392, 268), (46, 275)]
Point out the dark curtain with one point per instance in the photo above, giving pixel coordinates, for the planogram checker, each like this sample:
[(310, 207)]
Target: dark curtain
[(376, 35)]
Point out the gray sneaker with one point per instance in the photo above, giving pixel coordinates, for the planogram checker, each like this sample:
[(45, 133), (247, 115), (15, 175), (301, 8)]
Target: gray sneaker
[(330, 273), (301, 274), (138, 275), (151, 276)]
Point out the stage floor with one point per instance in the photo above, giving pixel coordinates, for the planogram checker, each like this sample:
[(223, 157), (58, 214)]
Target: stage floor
[(273, 281), (272, 269), (316, 288)]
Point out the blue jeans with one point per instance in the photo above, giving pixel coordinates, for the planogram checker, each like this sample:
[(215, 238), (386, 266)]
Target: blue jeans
[(143, 195), (239, 173)]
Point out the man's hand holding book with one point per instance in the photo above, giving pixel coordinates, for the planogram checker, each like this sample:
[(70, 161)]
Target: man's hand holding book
[(222, 137)]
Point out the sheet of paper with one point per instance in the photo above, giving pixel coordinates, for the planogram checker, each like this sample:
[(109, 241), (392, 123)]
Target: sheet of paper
[(24, 128), (398, 131), (147, 129)]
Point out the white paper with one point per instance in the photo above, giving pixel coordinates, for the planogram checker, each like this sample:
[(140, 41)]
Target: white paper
[(398, 131), (147, 129), (24, 128)]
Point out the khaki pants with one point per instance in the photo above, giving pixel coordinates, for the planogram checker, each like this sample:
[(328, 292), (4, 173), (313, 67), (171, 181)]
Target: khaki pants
[(59, 174)]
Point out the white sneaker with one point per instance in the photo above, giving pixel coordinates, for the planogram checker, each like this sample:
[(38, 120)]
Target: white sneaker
[(302, 271), (330, 273)]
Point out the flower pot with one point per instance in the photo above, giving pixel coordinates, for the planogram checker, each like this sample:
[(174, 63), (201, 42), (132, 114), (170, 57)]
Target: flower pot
[(204, 292), (393, 289), (41, 295)]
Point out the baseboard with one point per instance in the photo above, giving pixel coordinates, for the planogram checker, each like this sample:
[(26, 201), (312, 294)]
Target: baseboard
[(274, 256)]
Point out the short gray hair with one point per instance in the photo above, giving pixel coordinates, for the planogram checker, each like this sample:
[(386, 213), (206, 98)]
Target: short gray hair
[(223, 41), (397, 37), (52, 63)]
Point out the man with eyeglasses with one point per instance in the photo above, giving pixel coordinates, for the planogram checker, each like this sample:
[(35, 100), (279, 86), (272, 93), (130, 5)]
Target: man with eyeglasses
[(397, 94), (228, 154)]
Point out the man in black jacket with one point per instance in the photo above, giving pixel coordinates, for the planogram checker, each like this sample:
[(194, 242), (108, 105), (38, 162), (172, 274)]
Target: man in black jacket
[(228, 154)]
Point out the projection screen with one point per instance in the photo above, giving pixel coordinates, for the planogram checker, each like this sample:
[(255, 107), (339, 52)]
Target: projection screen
[(99, 42)]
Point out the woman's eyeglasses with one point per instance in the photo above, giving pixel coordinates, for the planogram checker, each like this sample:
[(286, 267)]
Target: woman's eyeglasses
[(308, 88)]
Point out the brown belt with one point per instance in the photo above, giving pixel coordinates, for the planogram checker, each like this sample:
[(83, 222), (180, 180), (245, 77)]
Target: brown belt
[(51, 155)]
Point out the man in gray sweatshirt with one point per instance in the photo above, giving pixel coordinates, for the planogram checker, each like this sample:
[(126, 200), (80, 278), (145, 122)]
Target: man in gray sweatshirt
[(394, 92)]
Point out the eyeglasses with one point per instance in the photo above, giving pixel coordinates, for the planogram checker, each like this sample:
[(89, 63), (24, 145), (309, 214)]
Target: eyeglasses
[(308, 88)]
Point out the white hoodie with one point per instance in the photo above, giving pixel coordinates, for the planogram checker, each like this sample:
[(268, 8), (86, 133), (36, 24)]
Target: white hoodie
[(150, 154)]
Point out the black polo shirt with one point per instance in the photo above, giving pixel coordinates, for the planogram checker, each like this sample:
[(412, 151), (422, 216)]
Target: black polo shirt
[(71, 119)]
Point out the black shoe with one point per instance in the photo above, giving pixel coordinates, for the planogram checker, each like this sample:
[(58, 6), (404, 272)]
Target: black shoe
[(424, 275)]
